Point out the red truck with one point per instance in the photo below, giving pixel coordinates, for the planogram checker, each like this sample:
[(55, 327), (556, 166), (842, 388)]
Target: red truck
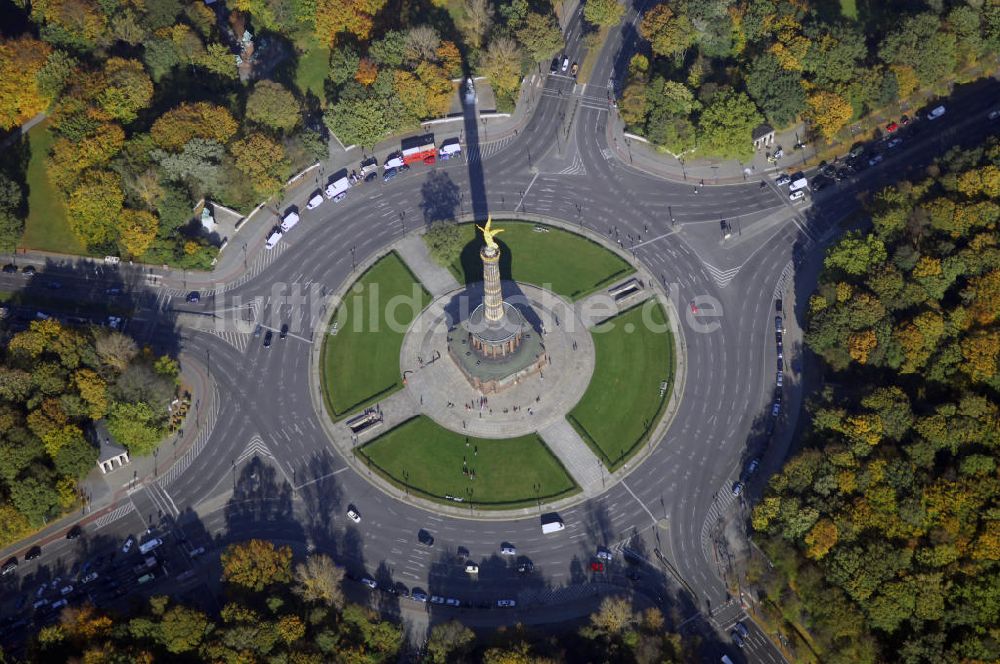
[(419, 148)]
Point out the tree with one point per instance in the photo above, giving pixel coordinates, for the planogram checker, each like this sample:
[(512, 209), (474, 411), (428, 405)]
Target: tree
[(829, 112), (263, 161), (540, 35), (367, 72), (126, 89), (272, 105), (835, 52), (502, 64), (604, 13), (475, 22), (256, 564), (21, 98), (76, 458), (115, 350), (920, 43), (449, 642), (77, 23), (318, 580), (726, 125), (856, 255), (34, 499), (160, 56), (352, 16), (198, 163), (668, 33), (93, 208), (777, 91), (613, 618), (134, 425), (137, 232), (176, 127), (357, 122), (445, 242), (218, 59), (422, 43), (71, 157), (182, 629)]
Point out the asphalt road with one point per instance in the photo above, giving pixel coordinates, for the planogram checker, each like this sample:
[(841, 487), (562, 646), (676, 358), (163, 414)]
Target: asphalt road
[(267, 468)]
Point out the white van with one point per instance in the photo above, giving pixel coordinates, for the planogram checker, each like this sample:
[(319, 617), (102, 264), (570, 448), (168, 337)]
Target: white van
[(337, 188), (288, 223), (273, 240), (314, 202), (394, 162), (799, 181), (148, 546), (552, 527)]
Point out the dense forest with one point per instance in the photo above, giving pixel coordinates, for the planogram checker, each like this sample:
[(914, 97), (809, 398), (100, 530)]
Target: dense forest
[(885, 529), (54, 382), (154, 106), (712, 70), (274, 611)]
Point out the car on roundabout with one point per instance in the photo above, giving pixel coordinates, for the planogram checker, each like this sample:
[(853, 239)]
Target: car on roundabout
[(508, 549), (353, 514), (472, 568), (129, 543), (370, 582)]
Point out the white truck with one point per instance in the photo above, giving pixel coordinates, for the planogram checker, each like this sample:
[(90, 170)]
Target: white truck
[(552, 527), (273, 240), (288, 223), (799, 181), (337, 190), (450, 148)]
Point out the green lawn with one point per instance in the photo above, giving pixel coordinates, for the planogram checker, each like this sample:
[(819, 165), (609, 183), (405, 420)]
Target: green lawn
[(427, 459), (361, 361), (46, 228), (622, 403), (566, 263), (311, 72)]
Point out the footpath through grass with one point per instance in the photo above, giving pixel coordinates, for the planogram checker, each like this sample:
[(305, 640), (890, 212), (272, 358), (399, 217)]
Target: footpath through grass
[(426, 459), (47, 228), (634, 356), (570, 265), (361, 361)]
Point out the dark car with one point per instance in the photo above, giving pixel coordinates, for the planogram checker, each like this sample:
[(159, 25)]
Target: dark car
[(371, 177), (267, 339), (525, 567), (425, 537), (194, 296), (284, 332), (10, 268), (74, 532), (29, 270), (777, 305), (33, 552), (389, 174), (555, 65)]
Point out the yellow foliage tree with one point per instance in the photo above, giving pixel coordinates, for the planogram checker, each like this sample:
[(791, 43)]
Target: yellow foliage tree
[(70, 158), (980, 181), (861, 344), (93, 390), (980, 351), (984, 293), (262, 160), (906, 79), (829, 112), (176, 127), (821, 538), (367, 72), (927, 266), (137, 232), (20, 98), (356, 17), (66, 490), (13, 524)]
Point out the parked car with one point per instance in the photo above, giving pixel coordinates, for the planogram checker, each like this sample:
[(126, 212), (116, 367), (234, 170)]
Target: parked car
[(29, 270), (891, 127), (935, 112), (33, 552), (506, 603), (10, 268), (9, 567), (783, 179), (738, 488), (418, 595), (796, 195), (74, 532), (451, 601)]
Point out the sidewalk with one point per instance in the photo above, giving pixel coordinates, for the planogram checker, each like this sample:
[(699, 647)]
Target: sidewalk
[(107, 491)]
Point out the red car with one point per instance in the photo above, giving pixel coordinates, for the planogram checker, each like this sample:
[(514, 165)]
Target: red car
[(891, 127), (597, 566)]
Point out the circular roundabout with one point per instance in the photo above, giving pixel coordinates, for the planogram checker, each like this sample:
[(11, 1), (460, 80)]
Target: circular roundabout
[(484, 390)]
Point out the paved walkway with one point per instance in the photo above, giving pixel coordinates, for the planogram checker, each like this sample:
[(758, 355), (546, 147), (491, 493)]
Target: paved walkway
[(578, 459), (436, 279), (600, 306)]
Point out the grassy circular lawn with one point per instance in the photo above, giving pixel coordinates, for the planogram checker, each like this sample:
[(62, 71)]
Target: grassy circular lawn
[(427, 459), (632, 381), (360, 356), (568, 264)]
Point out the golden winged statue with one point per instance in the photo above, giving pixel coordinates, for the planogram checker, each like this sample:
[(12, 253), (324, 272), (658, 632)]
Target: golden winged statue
[(488, 234)]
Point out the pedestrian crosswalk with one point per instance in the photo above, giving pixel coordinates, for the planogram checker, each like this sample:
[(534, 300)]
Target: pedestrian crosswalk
[(478, 152), (206, 424), (260, 262), (161, 499), (115, 514)]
